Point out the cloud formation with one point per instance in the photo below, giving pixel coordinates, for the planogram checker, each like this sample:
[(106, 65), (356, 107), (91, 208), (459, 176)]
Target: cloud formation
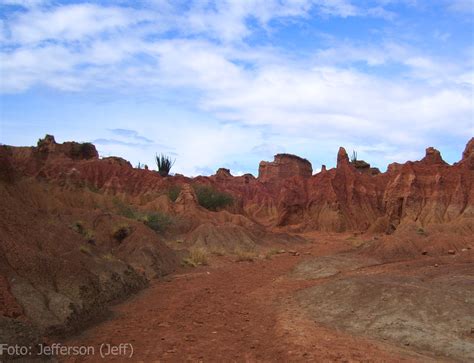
[(227, 59)]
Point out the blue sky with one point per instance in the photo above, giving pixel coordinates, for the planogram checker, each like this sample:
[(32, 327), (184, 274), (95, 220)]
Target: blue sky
[(229, 83)]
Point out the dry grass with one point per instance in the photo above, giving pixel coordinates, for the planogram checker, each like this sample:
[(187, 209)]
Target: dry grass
[(243, 255), (79, 227), (85, 249), (109, 257), (271, 253), (355, 241), (196, 257)]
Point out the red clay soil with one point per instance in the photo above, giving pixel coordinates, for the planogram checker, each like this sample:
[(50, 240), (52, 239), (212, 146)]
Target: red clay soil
[(231, 311)]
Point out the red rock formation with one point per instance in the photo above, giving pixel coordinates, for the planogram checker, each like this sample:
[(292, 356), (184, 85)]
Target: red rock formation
[(284, 166), (433, 156), (286, 193), (342, 157), (223, 173)]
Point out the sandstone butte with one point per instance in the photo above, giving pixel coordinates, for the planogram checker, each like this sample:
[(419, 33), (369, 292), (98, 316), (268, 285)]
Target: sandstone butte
[(69, 246)]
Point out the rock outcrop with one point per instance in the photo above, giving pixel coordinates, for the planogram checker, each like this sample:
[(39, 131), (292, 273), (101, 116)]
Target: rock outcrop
[(284, 166), (433, 156), (350, 197), (73, 150)]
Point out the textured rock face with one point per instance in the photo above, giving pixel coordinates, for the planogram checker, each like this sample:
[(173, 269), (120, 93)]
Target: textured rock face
[(364, 167), (286, 194), (223, 173), (433, 156), (342, 157), (468, 154), (73, 150), (469, 150), (284, 166), (187, 200)]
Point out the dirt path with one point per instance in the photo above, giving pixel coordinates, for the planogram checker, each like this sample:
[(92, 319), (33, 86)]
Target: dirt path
[(228, 311)]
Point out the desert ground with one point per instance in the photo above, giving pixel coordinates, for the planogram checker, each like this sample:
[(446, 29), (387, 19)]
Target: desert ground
[(315, 302)]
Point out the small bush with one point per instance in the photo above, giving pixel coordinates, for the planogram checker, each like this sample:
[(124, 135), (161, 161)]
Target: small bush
[(124, 210), (157, 221), (196, 257), (122, 232), (173, 192), (212, 199)]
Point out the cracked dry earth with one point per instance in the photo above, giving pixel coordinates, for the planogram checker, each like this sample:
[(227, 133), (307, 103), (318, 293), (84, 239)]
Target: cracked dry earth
[(237, 311)]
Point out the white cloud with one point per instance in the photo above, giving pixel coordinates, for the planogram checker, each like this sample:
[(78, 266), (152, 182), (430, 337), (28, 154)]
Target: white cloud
[(25, 3), (322, 96), (71, 22), (341, 8)]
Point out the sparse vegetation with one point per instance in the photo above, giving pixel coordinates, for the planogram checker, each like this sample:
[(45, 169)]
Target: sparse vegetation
[(164, 164), (122, 232), (245, 255), (93, 188), (196, 257), (109, 257), (212, 199), (218, 251), (85, 249), (271, 253), (421, 231), (124, 210), (88, 235), (354, 156), (157, 221), (82, 150), (173, 192)]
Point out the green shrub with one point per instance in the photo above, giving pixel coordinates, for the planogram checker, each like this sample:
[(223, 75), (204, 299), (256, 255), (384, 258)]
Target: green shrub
[(124, 210), (212, 199), (157, 221), (173, 192)]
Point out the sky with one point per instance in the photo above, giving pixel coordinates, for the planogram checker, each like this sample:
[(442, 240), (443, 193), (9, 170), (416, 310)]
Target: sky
[(232, 82)]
